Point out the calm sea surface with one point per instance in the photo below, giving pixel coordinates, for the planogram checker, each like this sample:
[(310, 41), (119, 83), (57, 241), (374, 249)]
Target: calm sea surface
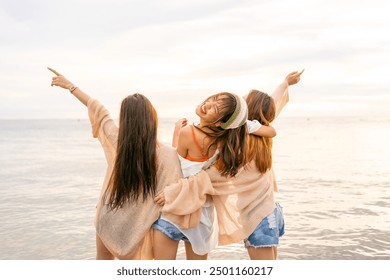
[(333, 175)]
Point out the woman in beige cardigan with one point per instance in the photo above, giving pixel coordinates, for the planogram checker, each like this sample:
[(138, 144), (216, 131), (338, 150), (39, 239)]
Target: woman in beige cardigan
[(137, 167), (219, 138), (242, 202)]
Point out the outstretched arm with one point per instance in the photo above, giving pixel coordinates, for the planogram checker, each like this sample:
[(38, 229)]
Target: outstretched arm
[(280, 94), (61, 81), (280, 97), (293, 77)]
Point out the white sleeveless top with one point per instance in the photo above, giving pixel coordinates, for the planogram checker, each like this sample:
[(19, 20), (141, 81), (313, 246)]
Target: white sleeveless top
[(203, 237)]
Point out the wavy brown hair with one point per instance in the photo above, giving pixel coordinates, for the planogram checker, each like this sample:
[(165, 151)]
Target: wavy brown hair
[(261, 107), (231, 143), (135, 168)]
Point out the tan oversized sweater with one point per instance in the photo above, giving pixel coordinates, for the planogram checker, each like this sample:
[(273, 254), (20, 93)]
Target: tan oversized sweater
[(126, 232), (241, 202)]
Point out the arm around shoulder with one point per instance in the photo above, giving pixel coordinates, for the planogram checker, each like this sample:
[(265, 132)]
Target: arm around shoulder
[(266, 131), (256, 128)]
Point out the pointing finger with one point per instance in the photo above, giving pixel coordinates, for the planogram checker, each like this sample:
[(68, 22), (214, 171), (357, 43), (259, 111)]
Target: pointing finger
[(54, 71)]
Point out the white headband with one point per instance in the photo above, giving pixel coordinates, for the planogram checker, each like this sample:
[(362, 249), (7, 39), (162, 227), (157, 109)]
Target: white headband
[(239, 116)]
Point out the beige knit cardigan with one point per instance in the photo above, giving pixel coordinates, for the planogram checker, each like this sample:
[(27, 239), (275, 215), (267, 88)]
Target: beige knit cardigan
[(126, 232)]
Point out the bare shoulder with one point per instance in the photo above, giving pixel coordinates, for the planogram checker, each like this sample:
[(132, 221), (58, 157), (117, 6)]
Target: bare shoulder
[(185, 140), (186, 132)]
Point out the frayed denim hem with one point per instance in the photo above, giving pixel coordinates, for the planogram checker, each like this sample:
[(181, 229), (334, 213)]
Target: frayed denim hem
[(168, 229), (247, 245)]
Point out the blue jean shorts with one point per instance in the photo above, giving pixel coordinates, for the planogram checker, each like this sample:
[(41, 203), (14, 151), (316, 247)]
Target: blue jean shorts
[(169, 230), (269, 230)]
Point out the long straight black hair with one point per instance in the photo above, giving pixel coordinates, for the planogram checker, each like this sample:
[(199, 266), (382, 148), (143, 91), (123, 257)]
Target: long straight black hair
[(135, 168)]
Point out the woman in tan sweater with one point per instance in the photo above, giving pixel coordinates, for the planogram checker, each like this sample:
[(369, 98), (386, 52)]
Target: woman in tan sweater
[(219, 138), (262, 243), (244, 201), (138, 166)]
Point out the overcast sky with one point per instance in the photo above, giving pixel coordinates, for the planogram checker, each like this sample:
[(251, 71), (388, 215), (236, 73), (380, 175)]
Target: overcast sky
[(179, 52)]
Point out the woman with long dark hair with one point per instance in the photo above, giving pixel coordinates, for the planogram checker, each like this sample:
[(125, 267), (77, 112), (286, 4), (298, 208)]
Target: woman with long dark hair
[(138, 166), (219, 138)]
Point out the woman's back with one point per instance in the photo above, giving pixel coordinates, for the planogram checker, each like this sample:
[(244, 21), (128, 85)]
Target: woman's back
[(242, 200), (123, 229), (196, 144)]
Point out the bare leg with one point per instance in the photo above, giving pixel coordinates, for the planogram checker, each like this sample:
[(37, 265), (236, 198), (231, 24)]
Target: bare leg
[(190, 254), (164, 248), (263, 253), (275, 252), (102, 252)]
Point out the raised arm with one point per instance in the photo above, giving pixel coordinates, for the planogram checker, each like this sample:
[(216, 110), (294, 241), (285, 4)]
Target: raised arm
[(176, 133), (293, 77), (280, 94), (61, 81)]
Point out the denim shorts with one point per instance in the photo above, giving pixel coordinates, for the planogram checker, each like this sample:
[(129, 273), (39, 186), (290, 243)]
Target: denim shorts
[(269, 230), (169, 230)]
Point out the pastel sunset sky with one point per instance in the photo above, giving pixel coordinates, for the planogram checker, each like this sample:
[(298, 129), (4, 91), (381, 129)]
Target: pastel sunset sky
[(179, 52)]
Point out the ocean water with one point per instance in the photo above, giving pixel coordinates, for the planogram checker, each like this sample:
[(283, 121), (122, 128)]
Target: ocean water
[(333, 175)]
